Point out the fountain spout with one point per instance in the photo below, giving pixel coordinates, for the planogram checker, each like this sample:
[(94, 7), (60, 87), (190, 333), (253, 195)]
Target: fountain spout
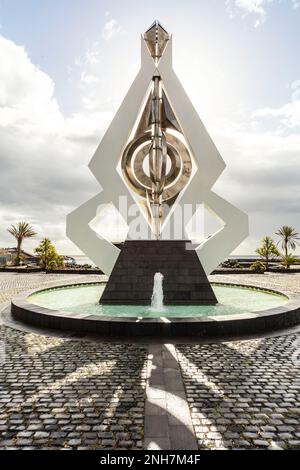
[(157, 300)]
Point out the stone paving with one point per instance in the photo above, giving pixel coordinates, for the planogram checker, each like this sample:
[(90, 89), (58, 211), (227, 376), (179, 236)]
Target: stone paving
[(246, 394), (284, 282), (12, 284), (59, 393), (168, 423), (63, 393)]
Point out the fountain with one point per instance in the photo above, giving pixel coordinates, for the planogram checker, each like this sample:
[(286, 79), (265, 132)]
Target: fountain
[(157, 299), (158, 152), (242, 310)]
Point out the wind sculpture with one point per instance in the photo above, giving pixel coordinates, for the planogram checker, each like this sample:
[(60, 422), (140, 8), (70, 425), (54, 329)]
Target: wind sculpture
[(159, 138), (158, 151)]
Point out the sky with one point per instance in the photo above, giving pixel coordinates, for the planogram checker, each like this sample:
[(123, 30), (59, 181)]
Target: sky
[(65, 66)]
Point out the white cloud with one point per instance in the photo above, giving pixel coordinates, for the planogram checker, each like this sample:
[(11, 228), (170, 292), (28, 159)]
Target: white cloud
[(26, 93), (111, 29), (88, 79), (255, 7), (100, 84), (27, 99), (92, 55), (262, 177), (43, 154), (295, 86), (287, 115), (259, 8)]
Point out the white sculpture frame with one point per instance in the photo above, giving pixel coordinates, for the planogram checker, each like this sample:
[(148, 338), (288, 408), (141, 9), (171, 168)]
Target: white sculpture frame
[(206, 156)]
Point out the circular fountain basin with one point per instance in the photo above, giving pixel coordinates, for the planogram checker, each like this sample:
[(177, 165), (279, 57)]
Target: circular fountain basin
[(241, 310)]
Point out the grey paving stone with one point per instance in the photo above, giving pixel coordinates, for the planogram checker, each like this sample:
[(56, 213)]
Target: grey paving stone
[(157, 444), (156, 407), (182, 438), (156, 426), (260, 443)]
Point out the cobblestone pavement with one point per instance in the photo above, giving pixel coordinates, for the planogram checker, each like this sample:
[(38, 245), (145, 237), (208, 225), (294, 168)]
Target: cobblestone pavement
[(12, 283), (61, 393), (285, 282), (246, 394)]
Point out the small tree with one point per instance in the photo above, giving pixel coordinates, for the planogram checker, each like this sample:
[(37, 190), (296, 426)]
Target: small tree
[(20, 231), (268, 250), (50, 259)]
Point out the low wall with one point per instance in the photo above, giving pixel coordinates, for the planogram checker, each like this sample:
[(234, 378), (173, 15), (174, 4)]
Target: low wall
[(15, 269), (74, 271), (234, 271)]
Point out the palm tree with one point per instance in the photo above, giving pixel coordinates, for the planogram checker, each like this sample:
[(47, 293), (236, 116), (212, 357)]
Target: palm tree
[(289, 238), (268, 250), (20, 231)]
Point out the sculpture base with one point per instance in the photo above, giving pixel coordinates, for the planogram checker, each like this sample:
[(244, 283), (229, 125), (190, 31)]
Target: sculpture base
[(131, 281)]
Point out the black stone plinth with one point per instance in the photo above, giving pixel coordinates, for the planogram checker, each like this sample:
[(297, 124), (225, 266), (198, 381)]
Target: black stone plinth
[(131, 281)]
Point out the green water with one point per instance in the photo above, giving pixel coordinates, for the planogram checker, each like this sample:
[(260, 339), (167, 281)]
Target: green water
[(85, 300)]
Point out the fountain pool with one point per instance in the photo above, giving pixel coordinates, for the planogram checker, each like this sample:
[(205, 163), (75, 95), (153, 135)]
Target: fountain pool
[(241, 311), (85, 300)]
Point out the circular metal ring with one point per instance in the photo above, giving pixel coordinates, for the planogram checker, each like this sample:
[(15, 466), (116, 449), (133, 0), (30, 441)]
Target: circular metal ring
[(133, 159)]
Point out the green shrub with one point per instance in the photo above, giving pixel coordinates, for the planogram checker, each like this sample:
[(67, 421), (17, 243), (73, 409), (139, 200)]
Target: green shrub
[(288, 260), (231, 263), (258, 267)]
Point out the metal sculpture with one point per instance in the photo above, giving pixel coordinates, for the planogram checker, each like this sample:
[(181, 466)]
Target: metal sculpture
[(159, 151)]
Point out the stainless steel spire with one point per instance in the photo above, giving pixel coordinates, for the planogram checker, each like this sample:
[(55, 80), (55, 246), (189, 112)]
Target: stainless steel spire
[(160, 142), (156, 38)]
